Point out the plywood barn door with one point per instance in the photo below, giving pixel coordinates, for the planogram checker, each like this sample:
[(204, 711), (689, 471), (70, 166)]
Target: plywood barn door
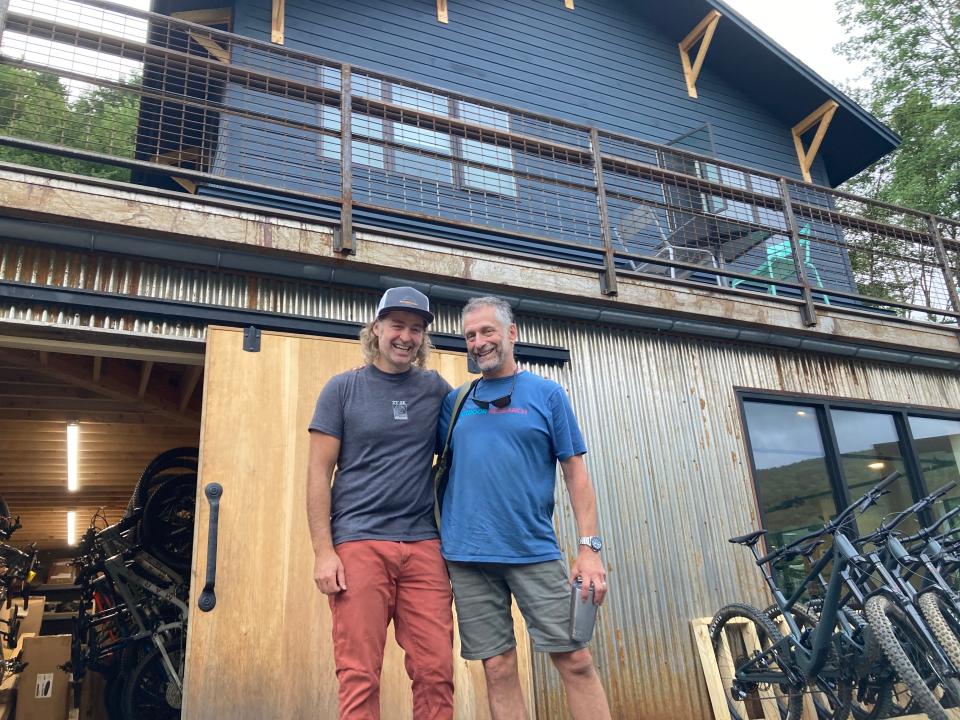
[(265, 651)]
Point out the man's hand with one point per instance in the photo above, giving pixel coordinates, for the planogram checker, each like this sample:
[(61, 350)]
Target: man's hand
[(328, 573), (589, 567)]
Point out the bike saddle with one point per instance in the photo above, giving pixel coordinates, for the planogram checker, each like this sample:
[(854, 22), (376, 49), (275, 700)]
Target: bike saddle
[(749, 539)]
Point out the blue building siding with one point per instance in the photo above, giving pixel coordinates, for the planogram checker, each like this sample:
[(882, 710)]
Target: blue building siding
[(604, 64)]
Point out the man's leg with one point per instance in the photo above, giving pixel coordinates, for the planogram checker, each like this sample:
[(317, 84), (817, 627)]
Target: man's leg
[(423, 624), (585, 693), (486, 633), (542, 591), (503, 687), (360, 617)]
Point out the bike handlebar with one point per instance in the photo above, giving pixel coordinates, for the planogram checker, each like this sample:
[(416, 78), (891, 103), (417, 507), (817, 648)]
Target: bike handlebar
[(886, 527), (927, 532)]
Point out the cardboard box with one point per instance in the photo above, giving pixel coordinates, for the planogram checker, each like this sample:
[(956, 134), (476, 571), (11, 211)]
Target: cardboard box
[(62, 572), (43, 691), (30, 618)]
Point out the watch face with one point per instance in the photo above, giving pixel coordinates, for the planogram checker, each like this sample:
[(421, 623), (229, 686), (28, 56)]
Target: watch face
[(596, 543)]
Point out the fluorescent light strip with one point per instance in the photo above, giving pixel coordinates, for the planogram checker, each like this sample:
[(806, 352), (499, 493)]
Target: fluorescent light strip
[(71, 527), (73, 453)]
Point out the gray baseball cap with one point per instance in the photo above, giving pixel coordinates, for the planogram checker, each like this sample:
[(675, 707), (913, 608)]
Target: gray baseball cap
[(405, 298)]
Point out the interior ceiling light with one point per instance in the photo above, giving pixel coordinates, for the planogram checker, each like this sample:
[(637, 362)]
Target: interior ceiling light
[(73, 455), (802, 413), (878, 465), (71, 527)]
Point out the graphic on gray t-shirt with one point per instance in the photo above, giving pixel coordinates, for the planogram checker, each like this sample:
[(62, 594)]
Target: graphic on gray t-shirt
[(387, 426)]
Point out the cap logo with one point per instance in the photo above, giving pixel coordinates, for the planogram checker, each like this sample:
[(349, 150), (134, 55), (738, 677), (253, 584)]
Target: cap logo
[(407, 301)]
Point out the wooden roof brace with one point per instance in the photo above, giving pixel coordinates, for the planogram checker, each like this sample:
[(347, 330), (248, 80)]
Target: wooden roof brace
[(568, 4), (276, 27), (702, 33), (207, 16), (822, 115), (442, 15), (215, 16)]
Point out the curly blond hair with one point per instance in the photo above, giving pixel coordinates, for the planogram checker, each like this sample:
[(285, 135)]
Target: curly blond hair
[(370, 346)]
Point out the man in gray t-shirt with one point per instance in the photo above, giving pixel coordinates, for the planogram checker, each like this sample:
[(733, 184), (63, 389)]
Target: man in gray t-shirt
[(374, 533)]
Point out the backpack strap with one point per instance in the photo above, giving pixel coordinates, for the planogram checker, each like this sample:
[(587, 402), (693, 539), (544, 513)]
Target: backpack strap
[(441, 469)]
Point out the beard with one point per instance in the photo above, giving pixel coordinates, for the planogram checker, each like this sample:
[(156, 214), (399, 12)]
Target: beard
[(491, 361)]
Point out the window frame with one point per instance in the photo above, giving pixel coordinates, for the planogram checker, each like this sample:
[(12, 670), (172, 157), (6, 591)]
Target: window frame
[(900, 412)]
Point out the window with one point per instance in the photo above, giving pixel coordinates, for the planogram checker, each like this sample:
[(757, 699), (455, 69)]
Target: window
[(486, 153), (811, 459), (465, 154)]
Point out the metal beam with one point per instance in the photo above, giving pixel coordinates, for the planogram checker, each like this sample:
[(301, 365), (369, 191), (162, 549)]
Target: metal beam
[(215, 315)]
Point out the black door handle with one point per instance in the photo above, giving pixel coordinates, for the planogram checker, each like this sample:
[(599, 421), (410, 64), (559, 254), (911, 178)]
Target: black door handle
[(208, 598)]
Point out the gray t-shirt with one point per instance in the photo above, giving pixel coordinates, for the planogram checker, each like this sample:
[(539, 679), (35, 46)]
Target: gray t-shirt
[(387, 426)]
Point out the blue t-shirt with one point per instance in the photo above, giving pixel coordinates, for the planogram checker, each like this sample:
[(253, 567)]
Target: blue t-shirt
[(498, 505)]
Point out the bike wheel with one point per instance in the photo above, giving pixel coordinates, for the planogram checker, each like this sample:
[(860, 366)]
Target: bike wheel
[(739, 633), (910, 655), (149, 692), (171, 462), (940, 617), (167, 525)]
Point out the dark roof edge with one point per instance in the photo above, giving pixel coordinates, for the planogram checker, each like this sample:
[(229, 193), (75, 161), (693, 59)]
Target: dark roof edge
[(807, 72)]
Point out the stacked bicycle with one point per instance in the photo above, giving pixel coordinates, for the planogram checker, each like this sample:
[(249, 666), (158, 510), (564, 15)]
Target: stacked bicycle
[(17, 570), (135, 575), (880, 637)]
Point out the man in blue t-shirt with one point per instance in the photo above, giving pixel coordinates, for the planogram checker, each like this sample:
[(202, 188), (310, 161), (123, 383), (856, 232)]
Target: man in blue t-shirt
[(497, 519)]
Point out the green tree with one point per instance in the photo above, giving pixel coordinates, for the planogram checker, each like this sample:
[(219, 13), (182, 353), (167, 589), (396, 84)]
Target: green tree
[(912, 51), (36, 106)]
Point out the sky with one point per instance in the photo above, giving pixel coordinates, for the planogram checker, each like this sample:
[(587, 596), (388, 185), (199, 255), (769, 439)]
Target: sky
[(808, 30)]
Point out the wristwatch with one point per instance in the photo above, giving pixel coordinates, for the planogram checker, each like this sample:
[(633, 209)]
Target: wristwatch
[(591, 541)]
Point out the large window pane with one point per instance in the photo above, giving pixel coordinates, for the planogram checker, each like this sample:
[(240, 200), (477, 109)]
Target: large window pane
[(793, 482), (869, 450), (937, 442)]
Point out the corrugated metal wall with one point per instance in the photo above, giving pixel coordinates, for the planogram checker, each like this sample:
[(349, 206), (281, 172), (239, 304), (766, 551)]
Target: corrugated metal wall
[(661, 420), (667, 454)]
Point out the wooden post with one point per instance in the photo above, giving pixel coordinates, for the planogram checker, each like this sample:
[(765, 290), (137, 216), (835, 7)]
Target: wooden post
[(949, 278), (442, 14), (277, 22), (343, 238), (807, 311), (608, 278), (568, 4)]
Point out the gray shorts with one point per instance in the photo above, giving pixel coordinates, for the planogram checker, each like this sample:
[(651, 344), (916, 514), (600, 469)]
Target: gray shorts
[(481, 594)]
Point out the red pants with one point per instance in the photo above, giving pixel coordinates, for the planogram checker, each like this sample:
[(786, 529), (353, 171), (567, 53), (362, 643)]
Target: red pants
[(406, 583)]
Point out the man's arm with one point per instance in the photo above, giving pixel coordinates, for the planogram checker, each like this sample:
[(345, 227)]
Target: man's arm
[(328, 571), (588, 564)]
